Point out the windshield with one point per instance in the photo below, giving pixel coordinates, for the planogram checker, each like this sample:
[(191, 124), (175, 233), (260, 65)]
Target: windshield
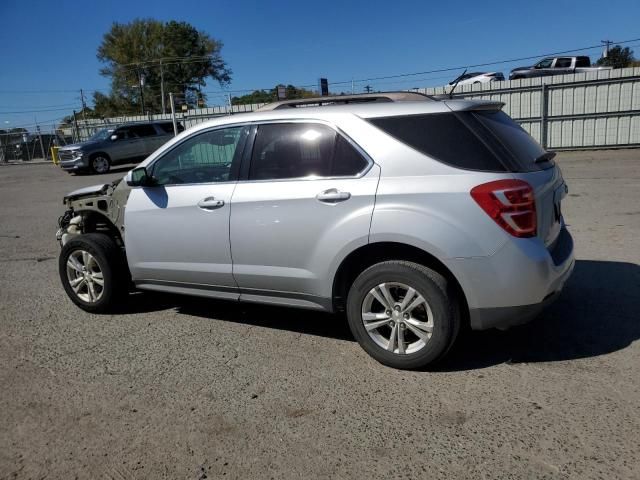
[(101, 135)]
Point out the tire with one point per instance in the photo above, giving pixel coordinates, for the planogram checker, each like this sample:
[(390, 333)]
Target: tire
[(439, 313), (100, 163), (107, 260)]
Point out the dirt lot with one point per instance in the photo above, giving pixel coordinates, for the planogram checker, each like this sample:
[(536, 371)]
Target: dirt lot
[(184, 388)]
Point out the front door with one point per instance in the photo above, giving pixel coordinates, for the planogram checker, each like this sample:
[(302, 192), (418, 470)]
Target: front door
[(308, 196), (125, 145), (177, 231)]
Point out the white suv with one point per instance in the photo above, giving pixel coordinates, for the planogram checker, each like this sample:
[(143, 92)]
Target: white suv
[(413, 215)]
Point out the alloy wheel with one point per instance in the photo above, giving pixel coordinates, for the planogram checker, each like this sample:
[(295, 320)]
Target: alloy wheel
[(85, 276), (397, 318), (100, 164)]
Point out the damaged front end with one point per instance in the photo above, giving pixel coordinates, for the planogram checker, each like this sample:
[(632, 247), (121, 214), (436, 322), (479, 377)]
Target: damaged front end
[(97, 209)]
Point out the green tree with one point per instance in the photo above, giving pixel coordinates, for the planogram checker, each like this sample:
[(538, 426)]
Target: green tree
[(617, 57), (266, 96), (151, 52)]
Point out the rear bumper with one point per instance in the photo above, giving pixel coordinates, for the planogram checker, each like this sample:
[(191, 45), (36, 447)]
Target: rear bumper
[(515, 284), (505, 317)]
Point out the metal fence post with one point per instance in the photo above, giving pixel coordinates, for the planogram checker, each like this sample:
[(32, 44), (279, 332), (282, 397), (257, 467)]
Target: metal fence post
[(544, 103), (173, 114)]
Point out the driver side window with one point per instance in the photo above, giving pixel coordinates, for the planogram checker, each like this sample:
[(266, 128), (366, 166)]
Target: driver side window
[(212, 156)]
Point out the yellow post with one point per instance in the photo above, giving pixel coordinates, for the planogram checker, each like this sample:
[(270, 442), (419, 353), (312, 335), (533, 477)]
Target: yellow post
[(54, 155)]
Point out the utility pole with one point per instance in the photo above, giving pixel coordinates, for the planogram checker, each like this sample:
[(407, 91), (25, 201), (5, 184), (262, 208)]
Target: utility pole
[(162, 87), (352, 89), (141, 83), (230, 105), (173, 114), (607, 44), (368, 88), (75, 125), (44, 157), (84, 105)]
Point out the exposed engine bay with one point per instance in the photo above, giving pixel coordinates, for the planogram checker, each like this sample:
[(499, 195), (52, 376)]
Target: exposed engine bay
[(96, 209)]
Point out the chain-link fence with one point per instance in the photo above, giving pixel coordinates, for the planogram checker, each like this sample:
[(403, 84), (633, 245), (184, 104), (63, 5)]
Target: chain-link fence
[(21, 145)]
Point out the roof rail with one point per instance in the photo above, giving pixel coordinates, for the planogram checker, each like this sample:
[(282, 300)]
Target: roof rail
[(347, 99)]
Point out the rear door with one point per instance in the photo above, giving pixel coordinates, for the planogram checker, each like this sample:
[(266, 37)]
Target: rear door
[(145, 139), (562, 65), (307, 195)]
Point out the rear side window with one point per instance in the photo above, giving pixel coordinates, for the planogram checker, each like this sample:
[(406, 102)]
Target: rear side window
[(167, 127), (583, 62), (296, 150), (563, 62), (143, 130), (444, 137)]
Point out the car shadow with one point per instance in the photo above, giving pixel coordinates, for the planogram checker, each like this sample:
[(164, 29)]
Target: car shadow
[(596, 314), (118, 169), (308, 322)]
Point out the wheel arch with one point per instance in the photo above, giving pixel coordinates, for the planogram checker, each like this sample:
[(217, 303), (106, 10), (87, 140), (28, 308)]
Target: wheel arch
[(100, 152), (95, 221), (365, 256)]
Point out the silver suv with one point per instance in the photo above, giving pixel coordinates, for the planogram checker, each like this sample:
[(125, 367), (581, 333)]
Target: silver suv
[(112, 146), (413, 217)]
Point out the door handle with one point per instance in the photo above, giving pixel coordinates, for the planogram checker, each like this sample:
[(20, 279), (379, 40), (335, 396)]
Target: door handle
[(333, 195), (210, 203)]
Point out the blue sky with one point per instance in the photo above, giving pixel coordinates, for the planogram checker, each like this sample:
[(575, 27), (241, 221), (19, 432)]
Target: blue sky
[(48, 49)]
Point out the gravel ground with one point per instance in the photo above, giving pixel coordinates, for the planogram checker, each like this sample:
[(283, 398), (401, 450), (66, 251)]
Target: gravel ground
[(188, 388)]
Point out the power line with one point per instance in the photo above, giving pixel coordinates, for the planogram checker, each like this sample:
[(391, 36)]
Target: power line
[(38, 111), (43, 106), (499, 62)]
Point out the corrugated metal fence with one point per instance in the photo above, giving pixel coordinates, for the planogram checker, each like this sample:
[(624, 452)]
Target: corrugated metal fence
[(579, 111)]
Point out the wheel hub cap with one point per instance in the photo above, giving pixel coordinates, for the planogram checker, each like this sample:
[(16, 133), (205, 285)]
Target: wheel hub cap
[(397, 318), (85, 277)]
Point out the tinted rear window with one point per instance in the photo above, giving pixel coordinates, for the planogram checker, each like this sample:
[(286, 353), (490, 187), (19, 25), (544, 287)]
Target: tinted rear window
[(443, 136), (522, 149)]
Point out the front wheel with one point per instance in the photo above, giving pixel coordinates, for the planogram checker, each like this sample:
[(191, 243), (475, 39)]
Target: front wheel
[(100, 164), (93, 272), (403, 314)]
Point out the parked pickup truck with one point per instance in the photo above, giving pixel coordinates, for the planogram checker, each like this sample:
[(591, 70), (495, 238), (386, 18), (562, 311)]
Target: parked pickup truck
[(555, 66)]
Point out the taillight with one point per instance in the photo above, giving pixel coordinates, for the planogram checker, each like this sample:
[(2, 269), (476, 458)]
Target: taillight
[(511, 204)]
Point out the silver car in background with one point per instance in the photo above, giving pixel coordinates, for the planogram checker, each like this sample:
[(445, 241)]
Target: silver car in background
[(127, 143), (413, 215)]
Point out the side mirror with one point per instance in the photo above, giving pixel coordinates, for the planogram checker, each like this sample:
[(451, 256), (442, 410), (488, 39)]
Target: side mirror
[(139, 177), (114, 138)]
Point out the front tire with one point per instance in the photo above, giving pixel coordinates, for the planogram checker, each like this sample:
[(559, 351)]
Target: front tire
[(93, 272), (403, 314), (100, 163)]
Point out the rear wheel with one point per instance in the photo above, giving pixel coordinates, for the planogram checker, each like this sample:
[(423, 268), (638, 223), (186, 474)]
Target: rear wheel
[(100, 163), (93, 272), (403, 314)]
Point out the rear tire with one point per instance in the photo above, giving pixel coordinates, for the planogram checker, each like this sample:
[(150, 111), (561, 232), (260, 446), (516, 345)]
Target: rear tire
[(428, 320), (93, 272)]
